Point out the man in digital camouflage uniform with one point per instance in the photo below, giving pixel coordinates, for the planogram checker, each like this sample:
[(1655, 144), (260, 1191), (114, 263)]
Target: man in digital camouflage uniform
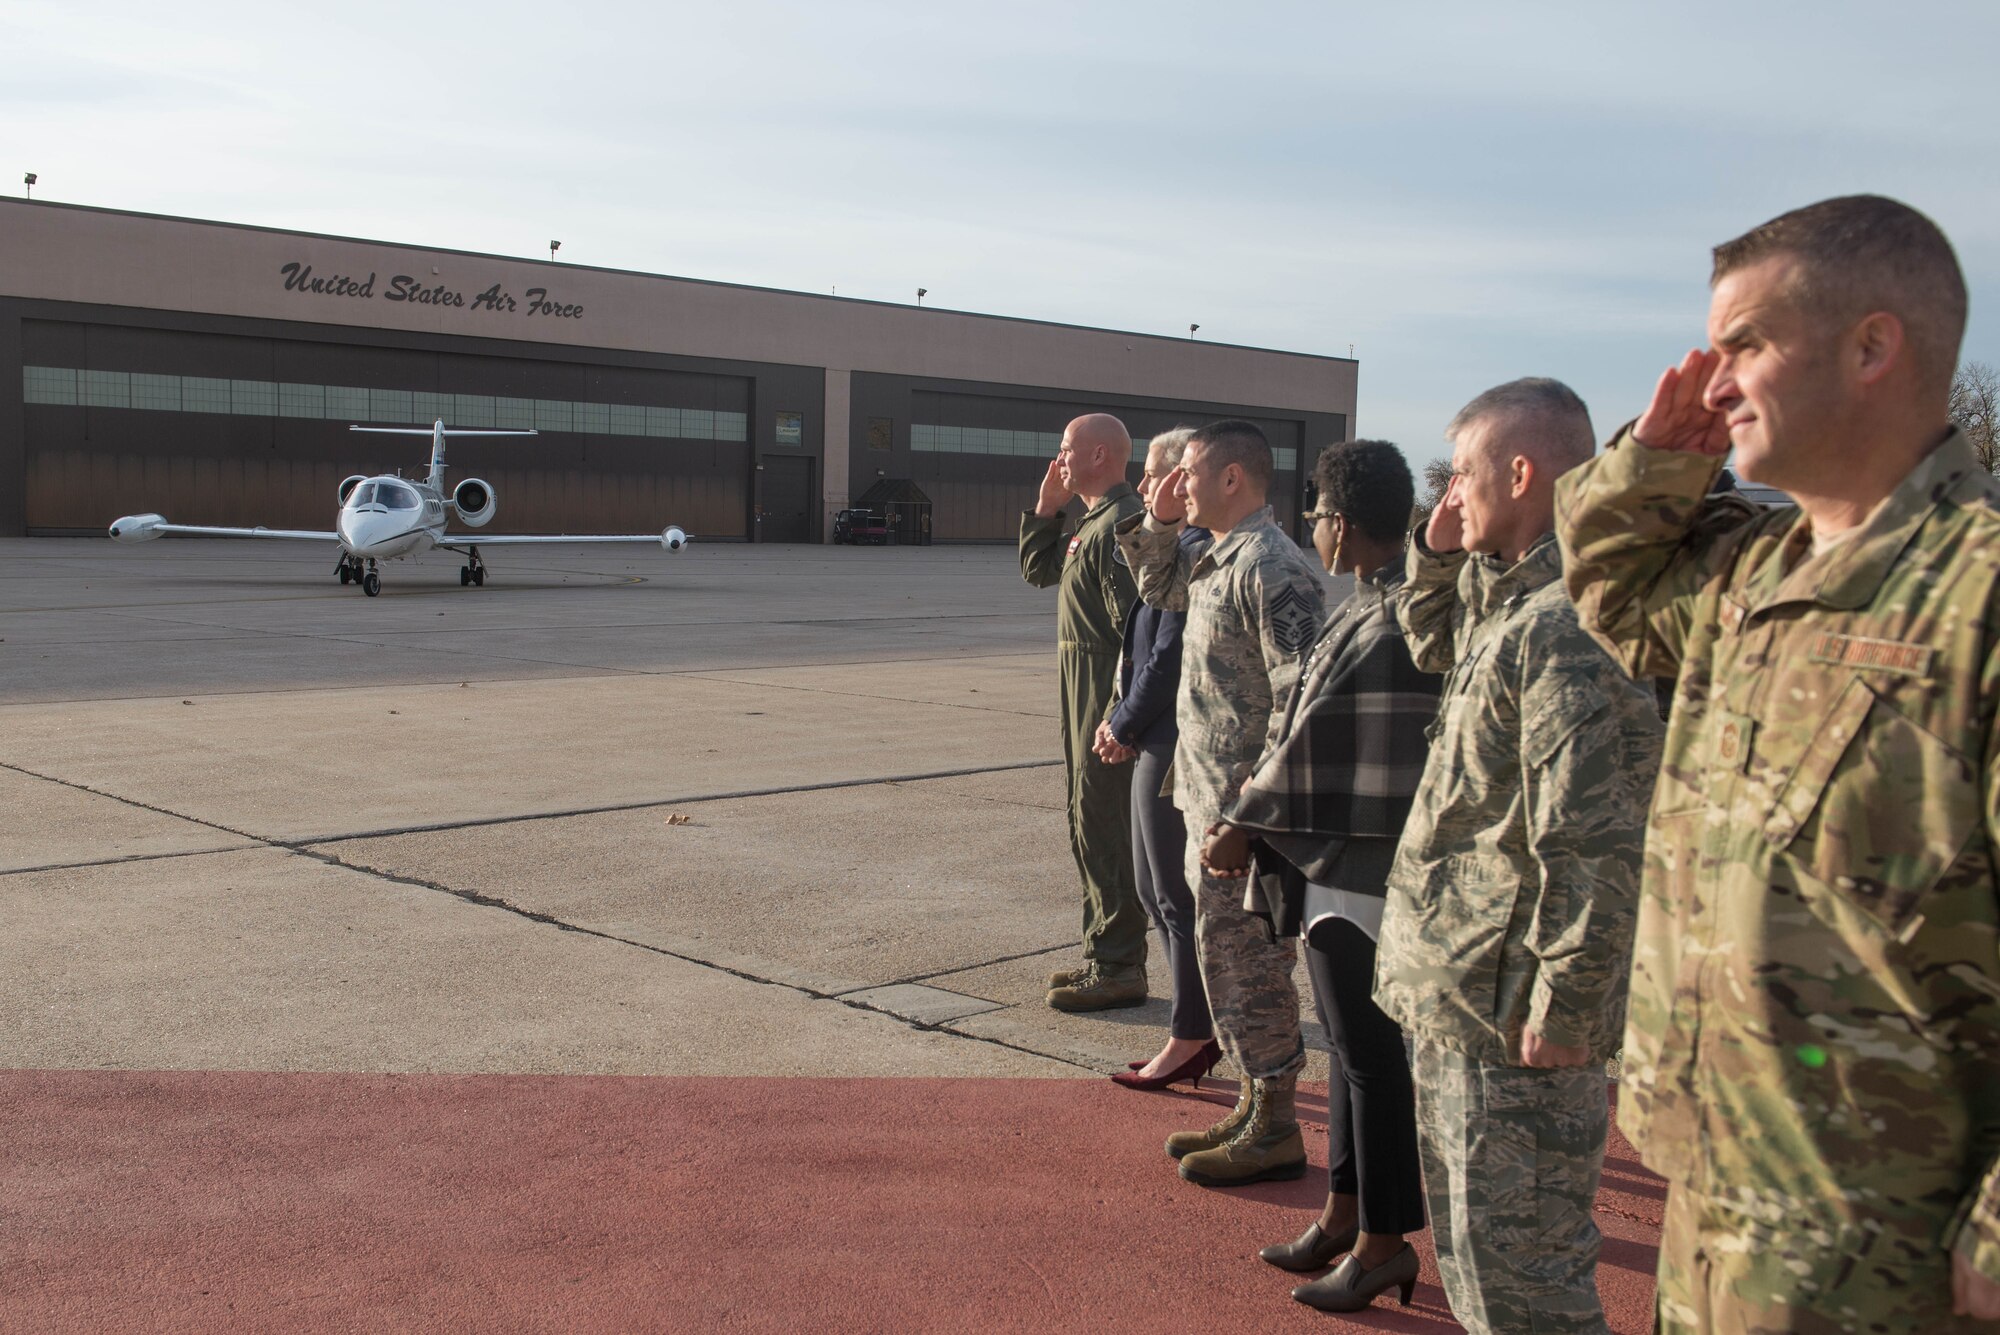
[(1507, 935), (1096, 589), (1813, 1054), (1253, 605)]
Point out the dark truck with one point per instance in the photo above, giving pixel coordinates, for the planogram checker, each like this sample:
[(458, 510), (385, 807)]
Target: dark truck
[(859, 526)]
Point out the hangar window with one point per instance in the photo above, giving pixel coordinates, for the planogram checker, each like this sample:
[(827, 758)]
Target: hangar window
[(302, 400), (75, 387), (199, 394), (389, 405), (253, 398), (515, 414), (48, 384), (160, 393), (107, 389), (471, 410), (347, 401)]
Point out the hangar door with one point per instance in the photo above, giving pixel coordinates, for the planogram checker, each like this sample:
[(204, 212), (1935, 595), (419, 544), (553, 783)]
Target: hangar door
[(225, 429)]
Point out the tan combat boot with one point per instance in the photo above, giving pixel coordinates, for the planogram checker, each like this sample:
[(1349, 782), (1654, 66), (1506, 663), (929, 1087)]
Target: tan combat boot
[(1188, 1142), (1064, 977), (1101, 988), (1266, 1148)]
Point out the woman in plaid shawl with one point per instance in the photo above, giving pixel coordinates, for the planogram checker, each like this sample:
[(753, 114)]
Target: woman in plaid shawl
[(1319, 819)]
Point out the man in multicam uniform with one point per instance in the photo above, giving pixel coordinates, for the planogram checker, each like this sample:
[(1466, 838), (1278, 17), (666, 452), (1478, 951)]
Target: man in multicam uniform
[(1813, 1056), (1253, 606), (1507, 934), (1097, 589)]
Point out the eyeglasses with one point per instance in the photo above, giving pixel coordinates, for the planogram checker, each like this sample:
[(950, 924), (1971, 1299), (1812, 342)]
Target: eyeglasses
[(1317, 515)]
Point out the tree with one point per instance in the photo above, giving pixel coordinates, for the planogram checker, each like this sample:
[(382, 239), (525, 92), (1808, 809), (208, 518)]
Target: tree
[(1437, 477), (1975, 405)]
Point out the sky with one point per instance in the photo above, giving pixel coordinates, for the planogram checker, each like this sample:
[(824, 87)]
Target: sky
[(1461, 193)]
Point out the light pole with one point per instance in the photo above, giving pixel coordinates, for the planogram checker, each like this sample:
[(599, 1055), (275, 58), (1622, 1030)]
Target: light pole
[(922, 292), (554, 246), (1191, 329), (29, 181)]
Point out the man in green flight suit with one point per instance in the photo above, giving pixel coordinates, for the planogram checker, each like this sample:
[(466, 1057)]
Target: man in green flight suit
[(1812, 1056), (1096, 590)]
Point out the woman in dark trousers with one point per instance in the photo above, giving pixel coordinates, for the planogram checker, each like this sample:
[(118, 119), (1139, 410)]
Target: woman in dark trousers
[(1141, 730), (1318, 821)]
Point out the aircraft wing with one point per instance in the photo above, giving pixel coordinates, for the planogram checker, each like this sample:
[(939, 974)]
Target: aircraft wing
[(670, 538), (144, 528)]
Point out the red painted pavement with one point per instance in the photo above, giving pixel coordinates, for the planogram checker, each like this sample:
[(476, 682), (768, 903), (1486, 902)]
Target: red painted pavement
[(203, 1202)]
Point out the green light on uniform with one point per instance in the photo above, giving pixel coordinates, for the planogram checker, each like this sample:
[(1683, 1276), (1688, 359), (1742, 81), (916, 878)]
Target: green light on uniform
[(1812, 1054)]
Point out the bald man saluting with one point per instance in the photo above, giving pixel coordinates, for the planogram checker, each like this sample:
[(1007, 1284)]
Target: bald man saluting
[(1096, 590)]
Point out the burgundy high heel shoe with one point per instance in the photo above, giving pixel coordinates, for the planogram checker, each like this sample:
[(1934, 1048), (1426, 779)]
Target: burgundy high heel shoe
[(1191, 1070)]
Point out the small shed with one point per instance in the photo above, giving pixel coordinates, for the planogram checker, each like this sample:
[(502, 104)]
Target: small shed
[(903, 503)]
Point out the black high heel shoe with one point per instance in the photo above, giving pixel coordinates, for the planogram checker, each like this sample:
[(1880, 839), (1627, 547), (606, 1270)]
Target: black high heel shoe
[(1349, 1288), (1314, 1250), (1192, 1070)]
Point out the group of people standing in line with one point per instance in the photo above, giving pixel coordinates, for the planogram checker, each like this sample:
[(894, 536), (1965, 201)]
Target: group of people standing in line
[(1461, 787)]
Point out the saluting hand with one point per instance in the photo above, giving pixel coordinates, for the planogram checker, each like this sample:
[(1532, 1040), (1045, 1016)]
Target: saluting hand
[(1446, 531), (1166, 504), (1055, 492), (1679, 417)]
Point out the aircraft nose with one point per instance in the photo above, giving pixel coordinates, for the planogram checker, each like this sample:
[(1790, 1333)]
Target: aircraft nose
[(360, 532)]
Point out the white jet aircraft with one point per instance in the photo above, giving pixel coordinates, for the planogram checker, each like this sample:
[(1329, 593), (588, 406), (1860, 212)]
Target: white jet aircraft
[(389, 516)]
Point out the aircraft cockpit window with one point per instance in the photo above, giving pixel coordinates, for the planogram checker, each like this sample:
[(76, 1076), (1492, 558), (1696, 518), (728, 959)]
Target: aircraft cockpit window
[(363, 494), (394, 497)]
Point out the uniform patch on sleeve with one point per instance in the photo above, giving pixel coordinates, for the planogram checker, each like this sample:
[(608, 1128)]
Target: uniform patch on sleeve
[(1076, 541), (1294, 619), (1858, 651)]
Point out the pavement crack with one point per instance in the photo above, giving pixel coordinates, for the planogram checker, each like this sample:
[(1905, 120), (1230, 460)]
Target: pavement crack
[(310, 849), (980, 964), (562, 925), (646, 804)]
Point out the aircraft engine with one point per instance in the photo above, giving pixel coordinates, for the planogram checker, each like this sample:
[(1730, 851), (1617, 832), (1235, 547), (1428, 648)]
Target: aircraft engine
[(673, 539), (347, 486), (474, 501)]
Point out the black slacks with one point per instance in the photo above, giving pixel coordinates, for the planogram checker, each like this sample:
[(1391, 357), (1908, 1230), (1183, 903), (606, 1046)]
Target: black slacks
[(1159, 852), (1371, 1109)]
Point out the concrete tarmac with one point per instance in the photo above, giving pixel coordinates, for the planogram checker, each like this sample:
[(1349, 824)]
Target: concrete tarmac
[(738, 812)]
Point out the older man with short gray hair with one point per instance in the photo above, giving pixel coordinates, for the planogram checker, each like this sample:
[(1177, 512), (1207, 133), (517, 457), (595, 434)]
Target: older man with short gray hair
[(1507, 936)]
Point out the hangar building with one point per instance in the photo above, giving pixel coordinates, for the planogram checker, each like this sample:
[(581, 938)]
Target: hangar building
[(209, 371)]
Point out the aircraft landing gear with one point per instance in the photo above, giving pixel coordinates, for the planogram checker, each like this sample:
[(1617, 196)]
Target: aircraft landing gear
[(371, 583), (349, 570), (473, 571)]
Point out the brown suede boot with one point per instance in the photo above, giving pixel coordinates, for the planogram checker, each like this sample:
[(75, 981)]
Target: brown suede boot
[(1101, 988), (1188, 1142), (1266, 1148), (1064, 977)]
